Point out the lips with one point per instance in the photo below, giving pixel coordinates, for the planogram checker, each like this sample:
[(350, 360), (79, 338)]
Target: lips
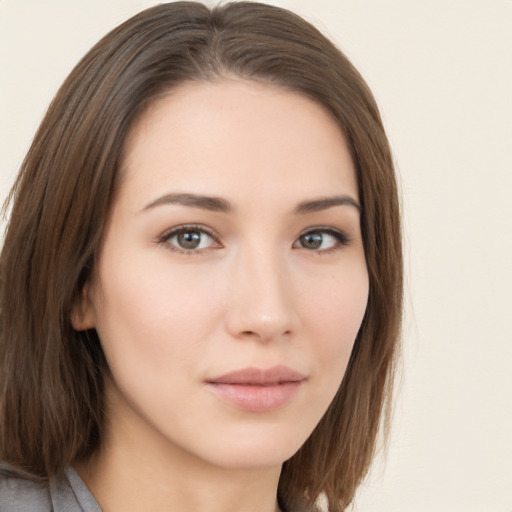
[(256, 389)]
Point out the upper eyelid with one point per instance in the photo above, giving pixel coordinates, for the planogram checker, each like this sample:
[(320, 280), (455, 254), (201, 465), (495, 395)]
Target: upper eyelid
[(321, 228), (168, 233), (325, 229), (209, 230)]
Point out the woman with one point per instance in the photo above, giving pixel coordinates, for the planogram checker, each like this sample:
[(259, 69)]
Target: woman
[(201, 277)]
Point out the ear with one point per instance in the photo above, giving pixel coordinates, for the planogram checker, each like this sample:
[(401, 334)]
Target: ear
[(82, 313)]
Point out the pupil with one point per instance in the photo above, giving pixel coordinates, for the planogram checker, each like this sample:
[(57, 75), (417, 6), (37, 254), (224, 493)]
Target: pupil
[(189, 240), (312, 240)]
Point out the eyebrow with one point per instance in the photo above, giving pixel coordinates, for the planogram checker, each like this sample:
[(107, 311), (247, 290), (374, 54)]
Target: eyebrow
[(214, 204), (324, 203), (217, 204)]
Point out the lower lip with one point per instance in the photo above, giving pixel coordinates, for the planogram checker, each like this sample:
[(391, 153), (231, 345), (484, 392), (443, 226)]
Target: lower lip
[(256, 398)]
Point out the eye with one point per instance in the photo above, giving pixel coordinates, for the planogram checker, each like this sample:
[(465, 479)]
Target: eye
[(189, 239), (322, 240)]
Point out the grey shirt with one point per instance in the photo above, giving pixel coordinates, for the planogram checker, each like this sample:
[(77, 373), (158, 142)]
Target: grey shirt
[(65, 494)]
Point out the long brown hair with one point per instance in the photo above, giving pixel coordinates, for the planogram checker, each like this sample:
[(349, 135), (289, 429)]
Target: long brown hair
[(51, 376)]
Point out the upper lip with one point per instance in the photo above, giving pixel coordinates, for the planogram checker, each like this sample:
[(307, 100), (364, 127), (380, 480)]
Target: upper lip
[(259, 376)]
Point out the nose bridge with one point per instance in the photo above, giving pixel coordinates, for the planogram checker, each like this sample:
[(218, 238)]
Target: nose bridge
[(260, 304)]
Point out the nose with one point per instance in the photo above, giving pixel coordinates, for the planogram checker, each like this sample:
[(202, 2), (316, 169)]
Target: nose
[(260, 299)]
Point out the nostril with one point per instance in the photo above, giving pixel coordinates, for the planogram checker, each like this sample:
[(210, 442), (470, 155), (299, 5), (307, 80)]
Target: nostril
[(265, 335)]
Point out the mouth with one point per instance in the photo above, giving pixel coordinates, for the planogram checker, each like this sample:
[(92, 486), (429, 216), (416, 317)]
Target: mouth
[(257, 390)]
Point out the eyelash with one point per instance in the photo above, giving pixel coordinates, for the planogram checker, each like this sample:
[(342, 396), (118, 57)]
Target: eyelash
[(341, 238), (165, 237)]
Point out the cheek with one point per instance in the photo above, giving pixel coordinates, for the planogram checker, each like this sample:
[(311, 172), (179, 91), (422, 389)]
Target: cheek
[(335, 315), (149, 313)]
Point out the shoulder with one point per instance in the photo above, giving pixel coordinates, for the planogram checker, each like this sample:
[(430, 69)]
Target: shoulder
[(65, 493), (17, 494)]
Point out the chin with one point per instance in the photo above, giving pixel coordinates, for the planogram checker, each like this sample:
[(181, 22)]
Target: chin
[(254, 450)]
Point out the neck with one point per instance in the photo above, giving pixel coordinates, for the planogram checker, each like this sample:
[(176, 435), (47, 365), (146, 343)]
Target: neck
[(137, 470)]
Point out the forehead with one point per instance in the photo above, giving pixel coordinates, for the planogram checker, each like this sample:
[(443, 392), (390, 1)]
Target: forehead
[(207, 137)]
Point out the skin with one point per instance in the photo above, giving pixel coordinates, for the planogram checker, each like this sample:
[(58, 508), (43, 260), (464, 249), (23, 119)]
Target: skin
[(254, 293)]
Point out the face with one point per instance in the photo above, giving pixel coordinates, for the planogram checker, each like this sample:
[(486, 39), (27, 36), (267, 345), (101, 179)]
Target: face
[(231, 282)]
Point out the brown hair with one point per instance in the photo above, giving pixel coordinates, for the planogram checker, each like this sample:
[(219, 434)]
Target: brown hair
[(51, 376)]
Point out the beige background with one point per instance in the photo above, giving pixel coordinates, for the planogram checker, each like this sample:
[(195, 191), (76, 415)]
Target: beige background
[(442, 73)]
